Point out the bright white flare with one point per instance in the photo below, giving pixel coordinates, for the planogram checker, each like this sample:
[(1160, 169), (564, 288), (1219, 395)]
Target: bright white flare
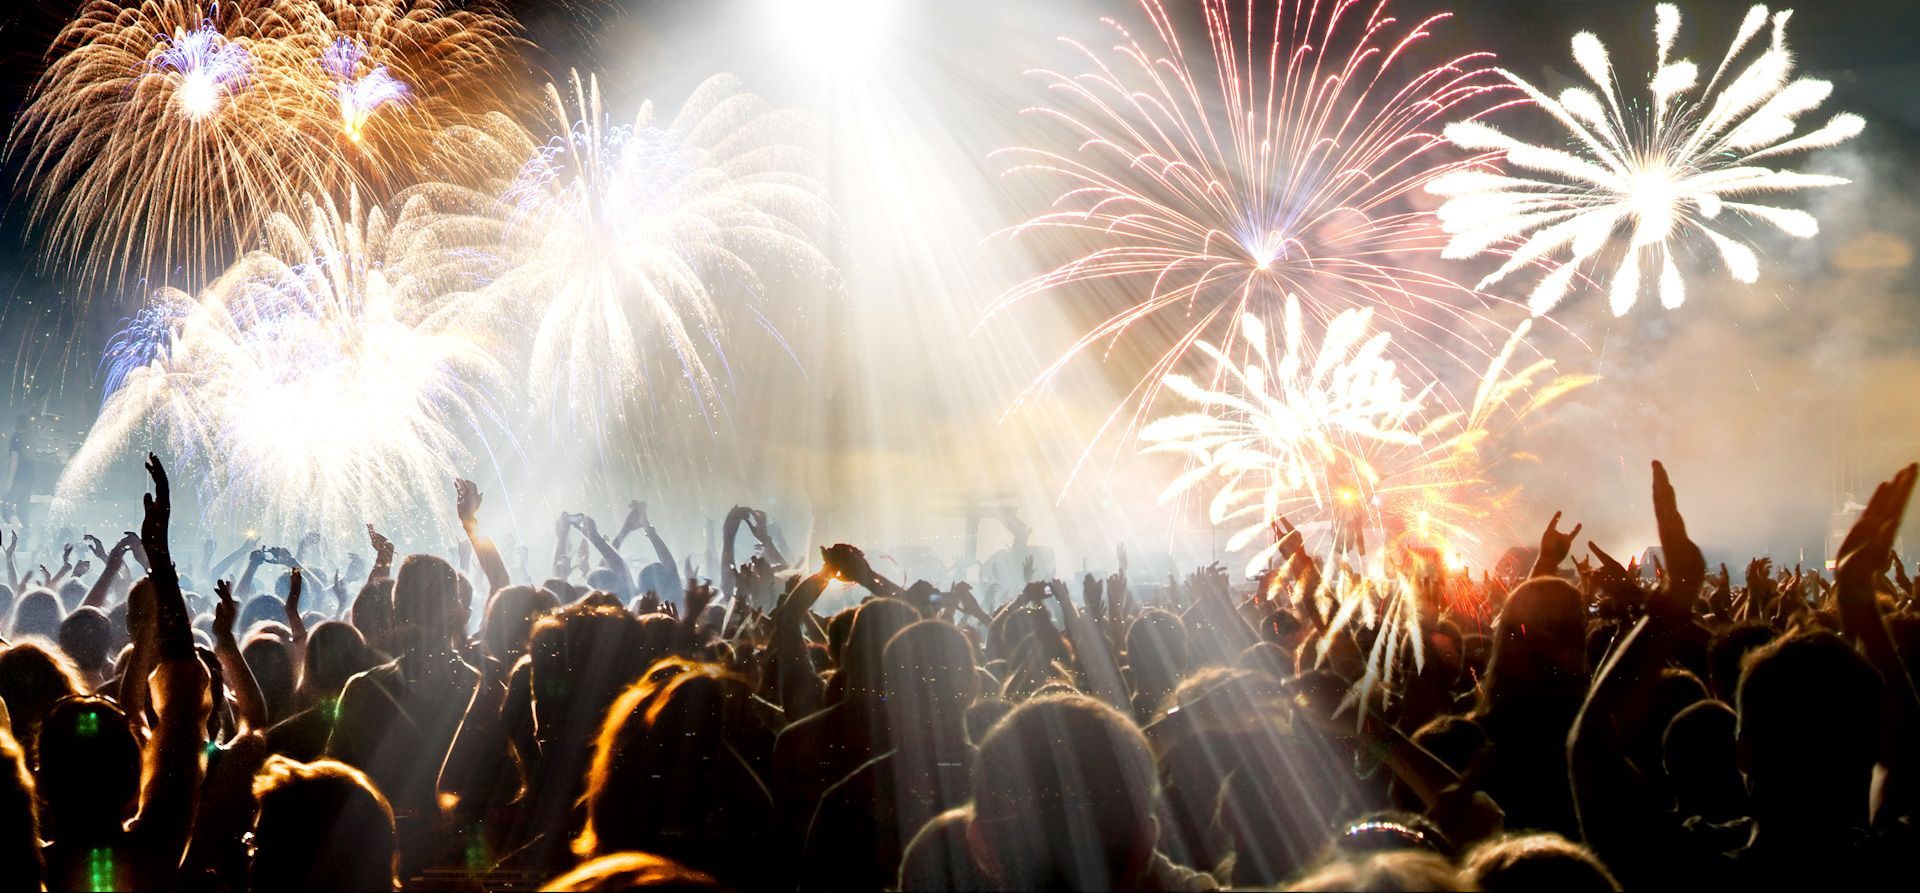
[(1658, 172), (329, 380), (624, 239), (1290, 422), (1295, 429)]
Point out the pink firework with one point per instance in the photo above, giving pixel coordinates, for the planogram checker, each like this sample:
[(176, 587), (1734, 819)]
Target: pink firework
[(1196, 191)]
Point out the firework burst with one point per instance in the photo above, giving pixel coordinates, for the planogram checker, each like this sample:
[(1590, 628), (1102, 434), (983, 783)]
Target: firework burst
[(1685, 163), (1331, 434), (163, 134), (1279, 163), (626, 239), (331, 379)]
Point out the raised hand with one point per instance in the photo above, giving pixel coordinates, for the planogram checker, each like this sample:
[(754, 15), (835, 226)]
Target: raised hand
[(295, 583), (1686, 567), (98, 548), (280, 556), (80, 569), (1868, 548), (1554, 547), (466, 500), (1092, 595), (225, 611)]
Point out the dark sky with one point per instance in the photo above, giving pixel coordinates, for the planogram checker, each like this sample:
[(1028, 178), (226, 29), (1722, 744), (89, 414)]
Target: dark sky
[(49, 347)]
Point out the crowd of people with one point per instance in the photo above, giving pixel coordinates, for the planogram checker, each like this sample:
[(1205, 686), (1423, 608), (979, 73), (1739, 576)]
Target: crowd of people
[(399, 722)]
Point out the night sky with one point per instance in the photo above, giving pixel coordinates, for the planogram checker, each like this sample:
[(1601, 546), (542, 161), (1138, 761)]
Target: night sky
[(49, 345)]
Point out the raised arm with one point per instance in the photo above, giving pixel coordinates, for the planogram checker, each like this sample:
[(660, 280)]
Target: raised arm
[(109, 571), (1623, 825), (466, 499), (173, 760), (1864, 555), (248, 702), (1554, 548), (795, 683), (608, 556)]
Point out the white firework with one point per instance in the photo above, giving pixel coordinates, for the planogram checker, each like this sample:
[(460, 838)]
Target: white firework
[(1288, 422), (334, 378), (1688, 161), (626, 240)]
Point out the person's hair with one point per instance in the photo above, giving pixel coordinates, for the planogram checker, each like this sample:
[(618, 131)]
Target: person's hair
[(1728, 652), (508, 620), (1157, 648), (426, 592), (85, 636), (1539, 647), (335, 651), (271, 662), (1808, 706), (372, 614), (72, 593), (19, 826), (1535, 862), (1414, 871), (89, 763), (37, 613), (928, 672), (32, 677), (874, 624), (321, 826), (633, 871), (1064, 792), (678, 713), (257, 610), (1455, 739)]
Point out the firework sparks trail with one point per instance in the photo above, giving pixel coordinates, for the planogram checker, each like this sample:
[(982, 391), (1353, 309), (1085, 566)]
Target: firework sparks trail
[(164, 133), (1280, 163), (625, 238), (1661, 173), (1313, 432), (1298, 431), (320, 383), (359, 94)]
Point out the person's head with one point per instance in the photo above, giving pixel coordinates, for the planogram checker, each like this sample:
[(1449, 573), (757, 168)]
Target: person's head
[(32, 677), (1064, 793), (258, 610), (1539, 648), (929, 677), (85, 636), (335, 651), (1521, 862), (72, 593), (1411, 871), (583, 657), (321, 826), (874, 625), (19, 826), (1728, 653), (1808, 730), (426, 596), (37, 613), (634, 871), (1697, 752), (1456, 740), (509, 617), (372, 614), (89, 766), (698, 719), (1157, 650), (271, 662)]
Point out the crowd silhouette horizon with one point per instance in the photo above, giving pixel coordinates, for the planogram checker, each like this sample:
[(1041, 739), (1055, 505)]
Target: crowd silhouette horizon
[(445, 722)]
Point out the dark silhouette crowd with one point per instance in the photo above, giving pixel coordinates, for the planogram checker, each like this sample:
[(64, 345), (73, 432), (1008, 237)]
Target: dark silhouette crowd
[(424, 723)]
